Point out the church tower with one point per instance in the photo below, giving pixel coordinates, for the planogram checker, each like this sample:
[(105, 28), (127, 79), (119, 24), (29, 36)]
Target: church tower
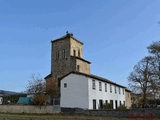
[(66, 56)]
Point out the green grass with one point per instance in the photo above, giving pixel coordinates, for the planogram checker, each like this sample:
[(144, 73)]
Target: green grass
[(8, 116)]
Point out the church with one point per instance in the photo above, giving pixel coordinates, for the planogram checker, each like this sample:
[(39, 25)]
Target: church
[(77, 86)]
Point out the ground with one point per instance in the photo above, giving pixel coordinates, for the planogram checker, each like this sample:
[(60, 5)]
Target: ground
[(8, 116)]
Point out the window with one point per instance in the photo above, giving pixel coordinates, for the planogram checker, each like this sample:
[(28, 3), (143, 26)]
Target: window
[(105, 87), (93, 85), (78, 53), (78, 67), (119, 90), (110, 88), (94, 104), (123, 91), (74, 52), (63, 54), (100, 86), (115, 89), (65, 85), (57, 55), (120, 103)]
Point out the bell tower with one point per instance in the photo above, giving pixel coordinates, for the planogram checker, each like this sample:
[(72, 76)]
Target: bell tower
[(67, 56)]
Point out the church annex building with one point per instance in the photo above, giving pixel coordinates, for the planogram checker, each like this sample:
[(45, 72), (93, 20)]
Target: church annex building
[(78, 87)]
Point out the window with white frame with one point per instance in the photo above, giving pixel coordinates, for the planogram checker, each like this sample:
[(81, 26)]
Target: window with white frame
[(119, 90), (93, 85), (123, 91), (120, 103), (105, 87), (100, 86), (115, 89), (65, 85), (110, 88)]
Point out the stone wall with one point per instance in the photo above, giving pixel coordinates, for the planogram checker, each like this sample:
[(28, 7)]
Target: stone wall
[(61, 65), (27, 109), (77, 46), (134, 113), (128, 99), (84, 66), (138, 113), (66, 46)]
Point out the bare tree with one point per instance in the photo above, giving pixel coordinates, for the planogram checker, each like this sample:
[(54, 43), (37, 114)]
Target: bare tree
[(52, 89), (140, 78), (37, 86), (154, 50)]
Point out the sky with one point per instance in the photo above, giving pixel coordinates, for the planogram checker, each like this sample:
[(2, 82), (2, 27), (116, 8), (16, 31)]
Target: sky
[(115, 34)]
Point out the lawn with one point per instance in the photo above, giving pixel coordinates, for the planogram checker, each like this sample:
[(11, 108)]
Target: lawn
[(8, 116)]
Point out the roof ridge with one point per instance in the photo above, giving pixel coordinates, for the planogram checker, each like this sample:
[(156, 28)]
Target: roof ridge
[(92, 76)]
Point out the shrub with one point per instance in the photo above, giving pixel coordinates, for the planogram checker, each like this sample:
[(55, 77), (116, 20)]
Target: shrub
[(39, 99), (108, 106), (13, 98), (122, 107)]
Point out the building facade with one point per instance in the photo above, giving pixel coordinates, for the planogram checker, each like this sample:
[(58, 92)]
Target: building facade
[(77, 86), (90, 92)]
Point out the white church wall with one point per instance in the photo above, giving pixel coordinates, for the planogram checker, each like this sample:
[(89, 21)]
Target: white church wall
[(77, 91), (74, 91)]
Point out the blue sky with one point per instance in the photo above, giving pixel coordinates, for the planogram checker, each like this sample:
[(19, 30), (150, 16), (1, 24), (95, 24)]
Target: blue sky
[(115, 35)]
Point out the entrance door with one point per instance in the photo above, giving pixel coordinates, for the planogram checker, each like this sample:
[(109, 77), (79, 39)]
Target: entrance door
[(111, 102), (116, 104), (101, 103), (94, 104)]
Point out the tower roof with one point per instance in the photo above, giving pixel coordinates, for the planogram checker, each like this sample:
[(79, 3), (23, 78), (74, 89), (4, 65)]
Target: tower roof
[(68, 35)]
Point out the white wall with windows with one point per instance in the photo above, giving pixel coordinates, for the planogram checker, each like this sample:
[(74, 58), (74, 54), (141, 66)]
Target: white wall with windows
[(85, 92), (102, 92)]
